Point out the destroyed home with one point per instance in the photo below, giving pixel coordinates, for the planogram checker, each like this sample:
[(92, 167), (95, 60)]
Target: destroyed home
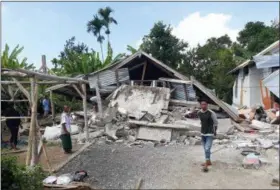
[(257, 80)]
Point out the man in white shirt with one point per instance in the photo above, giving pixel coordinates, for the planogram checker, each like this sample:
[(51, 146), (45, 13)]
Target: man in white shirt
[(66, 130)]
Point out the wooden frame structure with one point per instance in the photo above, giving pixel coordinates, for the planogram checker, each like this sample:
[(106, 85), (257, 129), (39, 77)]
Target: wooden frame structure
[(36, 79)]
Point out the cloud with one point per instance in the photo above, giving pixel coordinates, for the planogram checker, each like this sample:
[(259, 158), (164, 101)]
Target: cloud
[(196, 29)]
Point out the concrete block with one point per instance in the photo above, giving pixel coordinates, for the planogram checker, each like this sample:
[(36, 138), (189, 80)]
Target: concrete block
[(154, 134), (260, 125), (265, 143), (191, 124), (224, 126)]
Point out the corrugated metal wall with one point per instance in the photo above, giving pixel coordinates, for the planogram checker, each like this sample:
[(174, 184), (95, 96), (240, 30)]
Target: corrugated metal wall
[(179, 92), (108, 77)]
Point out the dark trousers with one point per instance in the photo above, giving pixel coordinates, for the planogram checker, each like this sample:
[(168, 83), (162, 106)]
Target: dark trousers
[(14, 134), (66, 142)]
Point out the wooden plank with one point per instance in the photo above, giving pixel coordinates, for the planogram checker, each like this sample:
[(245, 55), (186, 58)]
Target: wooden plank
[(38, 82), (78, 90), (14, 100), (85, 111), (143, 73), (160, 125), (22, 89), (175, 81), (34, 128), (117, 77), (99, 102)]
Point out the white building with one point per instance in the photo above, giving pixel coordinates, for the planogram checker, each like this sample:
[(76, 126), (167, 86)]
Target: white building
[(257, 80)]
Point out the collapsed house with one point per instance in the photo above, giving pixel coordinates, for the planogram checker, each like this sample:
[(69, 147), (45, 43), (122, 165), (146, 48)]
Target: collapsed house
[(257, 80)]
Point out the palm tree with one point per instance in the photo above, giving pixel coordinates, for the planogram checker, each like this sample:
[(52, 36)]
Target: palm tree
[(95, 26), (107, 19)]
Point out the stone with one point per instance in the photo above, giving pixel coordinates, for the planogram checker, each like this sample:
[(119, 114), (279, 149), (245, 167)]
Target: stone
[(175, 134), (260, 125), (110, 131), (120, 141), (264, 161), (121, 133), (131, 138), (221, 136), (265, 131), (187, 142), (193, 133), (194, 141), (224, 126), (181, 139), (154, 134), (172, 142), (265, 143)]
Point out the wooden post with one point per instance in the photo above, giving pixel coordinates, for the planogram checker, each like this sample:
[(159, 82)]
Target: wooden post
[(44, 64), (52, 105), (34, 129), (98, 98), (32, 122), (143, 72), (85, 110)]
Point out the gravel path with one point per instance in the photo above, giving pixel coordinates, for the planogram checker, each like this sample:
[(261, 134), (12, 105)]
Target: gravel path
[(118, 166)]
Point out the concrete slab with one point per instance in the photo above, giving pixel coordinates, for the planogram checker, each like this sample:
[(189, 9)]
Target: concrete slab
[(135, 99), (154, 134), (224, 126)]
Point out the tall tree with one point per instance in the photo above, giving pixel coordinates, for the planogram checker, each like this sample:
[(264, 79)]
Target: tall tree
[(95, 26), (76, 59), (105, 15), (256, 36), (164, 46)]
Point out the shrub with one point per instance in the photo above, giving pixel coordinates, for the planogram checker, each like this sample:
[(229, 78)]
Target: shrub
[(18, 177)]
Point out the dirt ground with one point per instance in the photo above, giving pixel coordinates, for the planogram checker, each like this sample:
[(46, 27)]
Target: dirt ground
[(117, 166)]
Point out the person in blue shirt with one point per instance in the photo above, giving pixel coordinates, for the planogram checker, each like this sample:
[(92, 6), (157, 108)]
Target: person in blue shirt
[(46, 106)]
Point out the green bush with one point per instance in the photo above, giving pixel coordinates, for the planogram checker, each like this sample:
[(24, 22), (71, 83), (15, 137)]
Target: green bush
[(18, 177)]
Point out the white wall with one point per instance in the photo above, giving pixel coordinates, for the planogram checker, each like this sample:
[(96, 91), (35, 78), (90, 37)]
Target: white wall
[(255, 75)]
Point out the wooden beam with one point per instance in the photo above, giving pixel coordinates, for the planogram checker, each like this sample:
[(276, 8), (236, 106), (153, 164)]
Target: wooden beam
[(143, 72), (85, 110), (99, 102), (78, 90), (42, 76), (22, 89), (175, 81), (136, 66), (38, 82), (34, 128), (21, 117), (14, 100), (159, 125)]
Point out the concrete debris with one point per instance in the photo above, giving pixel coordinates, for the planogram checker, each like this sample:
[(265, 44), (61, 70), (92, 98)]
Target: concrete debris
[(265, 143), (154, 134), (260, 125), (110, 131), (190, 124), (225, 126)]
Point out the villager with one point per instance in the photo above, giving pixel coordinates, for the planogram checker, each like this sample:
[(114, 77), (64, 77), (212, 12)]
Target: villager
[(13, 125), (46, 106), (66, 130), (209, 124)]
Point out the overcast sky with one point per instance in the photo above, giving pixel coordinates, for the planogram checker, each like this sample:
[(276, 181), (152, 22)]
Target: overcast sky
[(43, 27)]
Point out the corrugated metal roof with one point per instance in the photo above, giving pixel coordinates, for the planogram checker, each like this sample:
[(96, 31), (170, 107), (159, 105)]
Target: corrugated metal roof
[(271, 49), (267, 61)]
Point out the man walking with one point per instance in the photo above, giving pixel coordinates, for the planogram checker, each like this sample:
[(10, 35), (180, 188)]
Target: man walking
[(209, 124), (13, 125), (66, 130), (46, 106)]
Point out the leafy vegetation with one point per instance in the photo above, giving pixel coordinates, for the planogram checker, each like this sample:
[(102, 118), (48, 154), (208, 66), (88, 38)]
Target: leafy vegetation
[(11, 60), (17, 177)]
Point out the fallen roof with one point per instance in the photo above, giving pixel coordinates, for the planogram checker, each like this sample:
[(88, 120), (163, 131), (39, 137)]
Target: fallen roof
[(273, 48)]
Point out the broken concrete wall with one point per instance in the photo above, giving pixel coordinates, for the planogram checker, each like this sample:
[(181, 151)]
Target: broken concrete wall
[(136, 99)]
